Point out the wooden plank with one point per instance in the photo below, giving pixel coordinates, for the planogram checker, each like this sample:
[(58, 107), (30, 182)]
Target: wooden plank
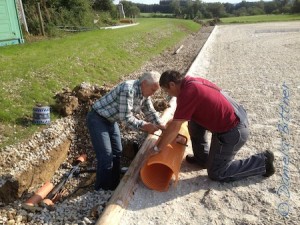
[(122, 195)]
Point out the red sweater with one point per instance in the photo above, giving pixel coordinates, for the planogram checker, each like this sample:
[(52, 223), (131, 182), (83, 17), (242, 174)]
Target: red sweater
[(202, 102)]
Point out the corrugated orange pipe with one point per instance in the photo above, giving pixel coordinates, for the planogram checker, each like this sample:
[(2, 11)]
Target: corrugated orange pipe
[(39, 195), (159, 169)]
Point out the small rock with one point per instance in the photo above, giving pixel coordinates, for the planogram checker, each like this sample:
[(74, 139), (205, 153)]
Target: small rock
[(11, 222), (19, 219), (87, 220)]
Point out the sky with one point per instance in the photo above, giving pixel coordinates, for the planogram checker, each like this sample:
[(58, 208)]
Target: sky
[(150, 2)]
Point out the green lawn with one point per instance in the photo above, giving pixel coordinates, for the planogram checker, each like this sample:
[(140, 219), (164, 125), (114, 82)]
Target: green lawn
[(32, 73), (157, 14), (261, 18)]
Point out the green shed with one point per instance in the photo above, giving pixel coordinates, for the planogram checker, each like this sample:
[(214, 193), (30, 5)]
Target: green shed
[(10, 29)]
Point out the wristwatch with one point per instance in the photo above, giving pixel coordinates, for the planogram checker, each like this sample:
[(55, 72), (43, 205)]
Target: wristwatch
[(155, 148)]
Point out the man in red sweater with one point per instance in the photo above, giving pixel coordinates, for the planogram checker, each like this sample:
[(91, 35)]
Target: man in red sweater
[(207, 108)]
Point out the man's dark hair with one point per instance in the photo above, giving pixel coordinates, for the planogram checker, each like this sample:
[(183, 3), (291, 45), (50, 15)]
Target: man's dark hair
[(170, 76)]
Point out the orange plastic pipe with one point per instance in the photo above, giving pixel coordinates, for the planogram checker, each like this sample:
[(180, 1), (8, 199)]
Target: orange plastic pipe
[(40, 194), (159, 169)]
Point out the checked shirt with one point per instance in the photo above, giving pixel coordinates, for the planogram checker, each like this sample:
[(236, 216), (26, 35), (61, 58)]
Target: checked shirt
[(125, 100)]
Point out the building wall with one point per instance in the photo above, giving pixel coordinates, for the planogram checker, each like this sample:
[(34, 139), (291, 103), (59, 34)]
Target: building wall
[(10, 30)]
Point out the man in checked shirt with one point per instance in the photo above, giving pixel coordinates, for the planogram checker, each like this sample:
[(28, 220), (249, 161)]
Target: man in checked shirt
[(120, 105)]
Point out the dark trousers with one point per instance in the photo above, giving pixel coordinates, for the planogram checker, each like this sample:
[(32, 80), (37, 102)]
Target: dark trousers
[(219, 157), (106, 140)]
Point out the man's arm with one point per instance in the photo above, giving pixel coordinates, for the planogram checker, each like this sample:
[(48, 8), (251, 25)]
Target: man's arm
[(126, 100), (170, 133), (150, 113), (125, 111)]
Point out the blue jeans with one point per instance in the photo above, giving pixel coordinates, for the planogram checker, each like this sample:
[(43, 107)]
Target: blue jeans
[(219, 158), (106, 140)]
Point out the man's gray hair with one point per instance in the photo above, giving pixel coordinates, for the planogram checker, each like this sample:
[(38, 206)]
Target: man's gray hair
[(151, 77)]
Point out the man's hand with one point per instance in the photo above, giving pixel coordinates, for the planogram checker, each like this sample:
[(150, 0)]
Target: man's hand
[(150, 128), (180, 139), (154, 150), (161, 127)]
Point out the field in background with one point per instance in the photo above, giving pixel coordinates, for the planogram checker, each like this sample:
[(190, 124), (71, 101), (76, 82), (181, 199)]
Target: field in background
[(32, 73), (157, 14), (260, 18)]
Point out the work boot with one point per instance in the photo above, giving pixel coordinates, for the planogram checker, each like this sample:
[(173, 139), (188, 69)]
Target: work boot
[(269, 160), (192, 160), (104, 181), (116, 171)]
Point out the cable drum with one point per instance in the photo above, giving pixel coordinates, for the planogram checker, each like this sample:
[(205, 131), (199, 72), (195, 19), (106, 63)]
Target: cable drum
[(41, 114)]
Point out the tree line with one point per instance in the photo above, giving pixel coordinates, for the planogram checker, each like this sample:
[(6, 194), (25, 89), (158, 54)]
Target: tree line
[(95, 13), (195, 8), (73, 13)]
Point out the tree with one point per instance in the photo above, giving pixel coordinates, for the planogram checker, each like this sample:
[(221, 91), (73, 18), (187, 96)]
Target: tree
[(217, 9), (103, 5), (296, 6), (75, 13), (241, 11), (229, 8), (261, 4), (126, 6), (255, 11), (189, 10), (133, 11), (281, 5), (58, 13), (175, 5), (270, 7), (204, 10)]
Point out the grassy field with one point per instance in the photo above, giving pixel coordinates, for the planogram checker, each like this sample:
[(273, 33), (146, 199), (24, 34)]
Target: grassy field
[(157, 14), (261, 18), (32, 73)]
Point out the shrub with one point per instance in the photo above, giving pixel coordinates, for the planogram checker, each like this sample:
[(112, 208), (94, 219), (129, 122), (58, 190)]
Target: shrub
[(58, 13)]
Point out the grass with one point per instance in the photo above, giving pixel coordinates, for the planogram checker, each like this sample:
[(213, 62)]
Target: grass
[(156, 14), (33, 72), (261, 18)]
